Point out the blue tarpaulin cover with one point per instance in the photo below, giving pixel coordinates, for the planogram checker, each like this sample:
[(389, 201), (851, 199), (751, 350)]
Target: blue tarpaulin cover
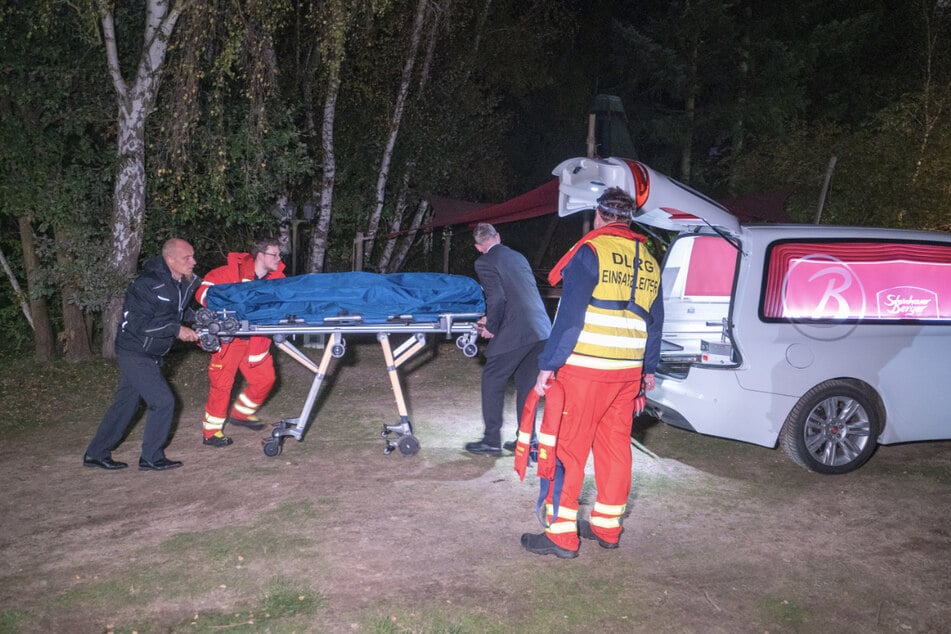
[(376, 297)]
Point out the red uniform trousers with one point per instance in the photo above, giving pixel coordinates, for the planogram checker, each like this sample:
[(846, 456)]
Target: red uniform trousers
[(222, 369), (597, 417)]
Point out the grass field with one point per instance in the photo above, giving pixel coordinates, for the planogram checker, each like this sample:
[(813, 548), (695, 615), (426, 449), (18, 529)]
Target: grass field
[(334, 536)]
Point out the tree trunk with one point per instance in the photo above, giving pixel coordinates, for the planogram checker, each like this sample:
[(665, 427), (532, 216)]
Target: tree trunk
[(477, 41), (134, 103), (932, 101), (398, 109), (43, 342), (18, 293), (74, 337), (400, 258), (76, 345), (318, 242), (427, 65), (384, 263), (738, 138), (128, 216), (690, 110)]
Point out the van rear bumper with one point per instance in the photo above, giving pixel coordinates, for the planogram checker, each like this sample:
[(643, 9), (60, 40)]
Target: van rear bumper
[(711, 401), (668, 415)]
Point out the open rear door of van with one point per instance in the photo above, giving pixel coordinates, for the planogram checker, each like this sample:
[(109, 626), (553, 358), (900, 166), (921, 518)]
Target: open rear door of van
[(662, 202), (699, 266)]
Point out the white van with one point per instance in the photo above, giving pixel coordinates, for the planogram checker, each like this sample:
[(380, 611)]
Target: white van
[(827, 340)]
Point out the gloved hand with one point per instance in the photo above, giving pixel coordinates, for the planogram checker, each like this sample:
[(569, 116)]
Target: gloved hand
[(640, 402)]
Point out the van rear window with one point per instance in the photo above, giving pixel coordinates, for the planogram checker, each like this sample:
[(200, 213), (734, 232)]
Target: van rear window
[(868, 280), (712, 264)]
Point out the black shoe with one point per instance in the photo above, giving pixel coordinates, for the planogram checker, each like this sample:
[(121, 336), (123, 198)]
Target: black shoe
[(585, 530), (480, 448), (541, 545), (217, 441), (509, 445), (255, 424), (162, 464), (103, 463)]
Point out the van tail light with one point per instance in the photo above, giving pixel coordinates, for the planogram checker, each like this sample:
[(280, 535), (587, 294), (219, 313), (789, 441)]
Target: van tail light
[(642, 182)]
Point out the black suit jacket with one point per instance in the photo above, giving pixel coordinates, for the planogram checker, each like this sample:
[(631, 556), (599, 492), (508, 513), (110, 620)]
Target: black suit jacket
[(515, 313)]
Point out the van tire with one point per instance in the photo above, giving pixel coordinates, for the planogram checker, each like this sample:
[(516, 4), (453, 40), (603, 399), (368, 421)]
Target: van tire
[(834, 428)]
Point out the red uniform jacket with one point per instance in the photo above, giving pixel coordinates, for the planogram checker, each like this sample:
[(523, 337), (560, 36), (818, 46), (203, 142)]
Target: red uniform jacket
[(240, 268)]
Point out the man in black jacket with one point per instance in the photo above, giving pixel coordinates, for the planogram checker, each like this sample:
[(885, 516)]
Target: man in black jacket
[(155, 303), (516, 325)]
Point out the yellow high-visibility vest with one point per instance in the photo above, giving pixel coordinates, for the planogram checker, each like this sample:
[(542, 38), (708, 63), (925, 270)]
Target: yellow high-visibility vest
[(615, 332)]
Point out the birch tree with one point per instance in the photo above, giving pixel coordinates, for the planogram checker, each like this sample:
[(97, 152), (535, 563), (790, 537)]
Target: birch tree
[(334, 52), (333, 27), (135, 100), (17, 291), (423, 213), (936, 75), (399, 106), (387, 263)]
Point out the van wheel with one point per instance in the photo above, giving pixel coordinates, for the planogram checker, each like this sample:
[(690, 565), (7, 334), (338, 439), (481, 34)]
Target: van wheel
[(834, 427)]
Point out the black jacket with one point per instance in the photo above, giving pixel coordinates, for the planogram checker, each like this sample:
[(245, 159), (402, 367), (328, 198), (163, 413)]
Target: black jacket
[(154, 306), (515, 313)]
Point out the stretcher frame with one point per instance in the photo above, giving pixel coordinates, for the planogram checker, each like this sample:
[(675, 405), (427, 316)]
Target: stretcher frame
[(216, 327)]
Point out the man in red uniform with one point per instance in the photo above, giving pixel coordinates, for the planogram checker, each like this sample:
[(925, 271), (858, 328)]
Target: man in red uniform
[(604, 344), (250, 355)]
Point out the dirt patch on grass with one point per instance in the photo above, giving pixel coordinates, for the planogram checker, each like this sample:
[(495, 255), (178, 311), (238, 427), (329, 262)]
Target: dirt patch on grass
[(334, 536)]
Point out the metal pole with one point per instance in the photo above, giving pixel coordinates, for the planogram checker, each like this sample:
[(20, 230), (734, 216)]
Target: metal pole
[(592, 141), (358, 252), (825, 189), (294, 247), (592, 147), (446, 246)]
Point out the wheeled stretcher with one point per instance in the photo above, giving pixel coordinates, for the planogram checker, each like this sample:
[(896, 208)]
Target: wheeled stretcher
[(339, 304)]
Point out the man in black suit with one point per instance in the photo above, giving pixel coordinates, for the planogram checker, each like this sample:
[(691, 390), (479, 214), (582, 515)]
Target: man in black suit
[(516, 325)]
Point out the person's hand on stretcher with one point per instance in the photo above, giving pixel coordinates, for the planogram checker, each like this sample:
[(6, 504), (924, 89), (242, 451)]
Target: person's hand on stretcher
[(485, 334)]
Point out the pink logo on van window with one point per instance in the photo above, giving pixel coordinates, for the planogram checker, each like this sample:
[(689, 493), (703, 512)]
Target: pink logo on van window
[(824, 287), (907, 302)]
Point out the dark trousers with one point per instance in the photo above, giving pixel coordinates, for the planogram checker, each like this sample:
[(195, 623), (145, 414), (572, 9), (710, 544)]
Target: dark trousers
[(140, 377), (522, 363)]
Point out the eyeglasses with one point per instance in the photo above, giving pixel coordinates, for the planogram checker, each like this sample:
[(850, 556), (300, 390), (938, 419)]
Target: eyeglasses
[(273, 255)]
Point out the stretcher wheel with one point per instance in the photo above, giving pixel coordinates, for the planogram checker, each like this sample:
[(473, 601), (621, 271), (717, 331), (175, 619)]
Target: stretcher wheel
[(209, 342), (204, 316), (272, 447), (338, 350), (230, 325), (461, 341), (470, 350), (408, 445)]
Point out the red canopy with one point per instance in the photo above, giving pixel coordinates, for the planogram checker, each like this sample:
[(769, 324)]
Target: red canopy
[(541, 201)]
